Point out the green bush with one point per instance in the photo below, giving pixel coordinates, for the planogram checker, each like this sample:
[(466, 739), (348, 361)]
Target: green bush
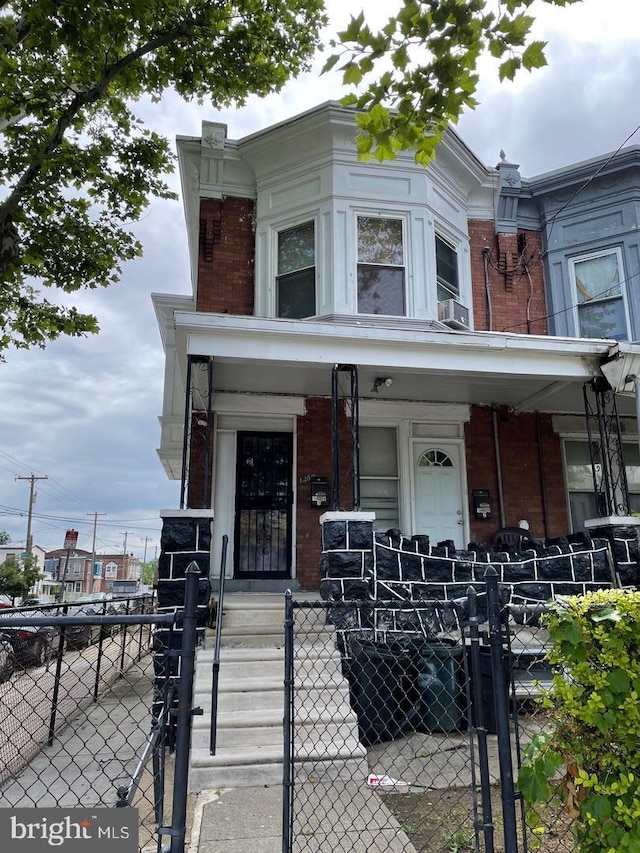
[(590, 756)]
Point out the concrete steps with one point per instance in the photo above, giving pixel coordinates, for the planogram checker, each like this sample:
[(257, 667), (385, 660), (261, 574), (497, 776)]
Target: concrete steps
[(250, 741)]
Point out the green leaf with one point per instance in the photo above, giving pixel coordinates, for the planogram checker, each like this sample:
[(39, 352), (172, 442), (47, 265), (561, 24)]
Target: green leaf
[(509, 67), (533, 56), (352, 74)]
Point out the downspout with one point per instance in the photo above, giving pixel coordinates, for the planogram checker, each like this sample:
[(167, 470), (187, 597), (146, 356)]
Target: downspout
[(487, 288), (543, 483), (496, 445)]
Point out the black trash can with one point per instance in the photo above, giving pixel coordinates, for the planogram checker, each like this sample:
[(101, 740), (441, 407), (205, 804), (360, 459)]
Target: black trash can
[(439, 684), (383, 690)]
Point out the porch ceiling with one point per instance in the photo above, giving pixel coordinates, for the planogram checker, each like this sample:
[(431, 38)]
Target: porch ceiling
[(529, 373)]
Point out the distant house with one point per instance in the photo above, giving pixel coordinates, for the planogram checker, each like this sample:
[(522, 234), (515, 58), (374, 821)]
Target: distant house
[(468, 312), (16, 551), (74, 566), (111, 568)]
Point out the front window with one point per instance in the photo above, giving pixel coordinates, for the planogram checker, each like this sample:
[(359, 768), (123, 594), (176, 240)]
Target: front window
[(582, 500), (446, 270), (599, 298), (296, 279), (379, 475), (381, 272)]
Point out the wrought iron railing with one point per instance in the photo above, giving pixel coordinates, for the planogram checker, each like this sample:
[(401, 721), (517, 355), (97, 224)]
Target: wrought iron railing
[(216, 651)]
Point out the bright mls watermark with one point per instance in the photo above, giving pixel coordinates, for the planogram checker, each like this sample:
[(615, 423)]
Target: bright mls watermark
[(69, 830)]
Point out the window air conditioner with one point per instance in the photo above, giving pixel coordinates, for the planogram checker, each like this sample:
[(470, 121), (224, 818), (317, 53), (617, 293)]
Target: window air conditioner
[(453, 313)]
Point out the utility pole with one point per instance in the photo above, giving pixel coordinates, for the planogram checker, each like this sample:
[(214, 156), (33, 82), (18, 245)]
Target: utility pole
[(32, 499), (124, 556), (146, 539), (93, 549)]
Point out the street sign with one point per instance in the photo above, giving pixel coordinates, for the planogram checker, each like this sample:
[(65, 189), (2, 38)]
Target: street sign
[(70, 540)]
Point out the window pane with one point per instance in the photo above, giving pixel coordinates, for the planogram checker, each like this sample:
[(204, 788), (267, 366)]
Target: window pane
[(297, 294), (381, 290), (579, 478), (380, 241), (597, 278), (378, 454), (446, 270), (296, 248), (603, 319), (381, 497)]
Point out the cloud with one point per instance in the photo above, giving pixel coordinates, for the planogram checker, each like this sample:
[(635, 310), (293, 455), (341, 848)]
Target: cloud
[(84, 412)]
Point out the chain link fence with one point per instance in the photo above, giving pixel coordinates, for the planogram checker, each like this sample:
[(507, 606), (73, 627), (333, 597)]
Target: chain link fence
[(76, 724), (404, 725)]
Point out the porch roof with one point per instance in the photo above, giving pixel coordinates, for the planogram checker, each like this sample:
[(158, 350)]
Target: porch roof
[(276, 356)]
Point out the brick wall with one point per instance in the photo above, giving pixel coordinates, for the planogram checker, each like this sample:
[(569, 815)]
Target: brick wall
[(510, 291), (226, 256), (522, 482), (314, 459)]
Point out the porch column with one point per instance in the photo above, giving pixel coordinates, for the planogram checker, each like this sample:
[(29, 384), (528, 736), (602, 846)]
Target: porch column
[(622, 534), (346, 564), (185, 538)]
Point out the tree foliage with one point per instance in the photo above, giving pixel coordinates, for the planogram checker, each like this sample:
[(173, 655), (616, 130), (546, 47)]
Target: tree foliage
[(5, 538), (77, 165), (18, 576), (594, 724), (418, 73)]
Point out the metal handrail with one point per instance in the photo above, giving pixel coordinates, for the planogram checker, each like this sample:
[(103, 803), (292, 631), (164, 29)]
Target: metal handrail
[(216, 651)]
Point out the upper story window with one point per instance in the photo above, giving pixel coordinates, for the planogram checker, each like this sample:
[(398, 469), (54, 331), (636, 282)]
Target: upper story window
[(296, 277), (381, 270), (598, 282), (446, 270)]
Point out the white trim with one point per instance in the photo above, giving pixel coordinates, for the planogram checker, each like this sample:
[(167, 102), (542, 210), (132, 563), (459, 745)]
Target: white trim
[(448, 353), (347, 516), (258, 404), (394, 411), (613, 521)]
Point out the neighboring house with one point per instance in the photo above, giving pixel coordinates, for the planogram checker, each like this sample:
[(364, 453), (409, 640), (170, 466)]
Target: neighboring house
[(111, 568), (74, 566), (16, 551), (427, 288)]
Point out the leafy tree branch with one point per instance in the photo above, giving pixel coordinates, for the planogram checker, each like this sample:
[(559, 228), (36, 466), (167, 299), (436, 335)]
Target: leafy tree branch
[(417, 74), (76, 164)]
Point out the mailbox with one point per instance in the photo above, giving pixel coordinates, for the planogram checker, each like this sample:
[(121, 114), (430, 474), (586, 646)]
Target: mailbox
[(319, 491), (482, 504)]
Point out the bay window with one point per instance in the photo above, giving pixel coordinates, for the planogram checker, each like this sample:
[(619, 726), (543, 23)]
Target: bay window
[(381, 266), (296, 276)]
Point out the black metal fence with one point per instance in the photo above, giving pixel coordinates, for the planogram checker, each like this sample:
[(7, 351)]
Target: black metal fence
[(93, 720), (405, 724)]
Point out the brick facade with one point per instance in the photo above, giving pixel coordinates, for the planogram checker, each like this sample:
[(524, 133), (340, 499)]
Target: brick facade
[(314, 460), (226, 256), (525, 440), (516, 282)]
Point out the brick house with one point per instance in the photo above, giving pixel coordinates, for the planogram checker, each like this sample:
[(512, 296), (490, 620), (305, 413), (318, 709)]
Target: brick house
[(448, 303)]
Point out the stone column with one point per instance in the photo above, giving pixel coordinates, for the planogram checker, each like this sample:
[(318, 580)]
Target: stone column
[(622, 534), (185, 538)]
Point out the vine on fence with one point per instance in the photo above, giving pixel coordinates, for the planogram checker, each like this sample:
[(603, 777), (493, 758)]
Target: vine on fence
[(590, 756)]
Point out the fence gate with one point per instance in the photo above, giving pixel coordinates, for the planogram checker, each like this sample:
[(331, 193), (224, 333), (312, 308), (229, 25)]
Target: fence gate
[(398, 734)]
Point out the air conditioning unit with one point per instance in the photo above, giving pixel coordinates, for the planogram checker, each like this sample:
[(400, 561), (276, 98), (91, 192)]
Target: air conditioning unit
[(453, 313)]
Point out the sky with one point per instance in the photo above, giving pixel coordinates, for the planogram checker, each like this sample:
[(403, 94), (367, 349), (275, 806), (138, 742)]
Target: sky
[(84, 412)]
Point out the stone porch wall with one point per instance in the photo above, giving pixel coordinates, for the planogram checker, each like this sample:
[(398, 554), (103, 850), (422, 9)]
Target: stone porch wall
[(359, 564)]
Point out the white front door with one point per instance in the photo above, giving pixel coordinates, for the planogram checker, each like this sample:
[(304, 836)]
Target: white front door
[(438, 492)]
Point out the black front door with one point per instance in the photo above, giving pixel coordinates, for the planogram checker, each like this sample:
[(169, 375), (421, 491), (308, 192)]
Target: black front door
[(264, 498)]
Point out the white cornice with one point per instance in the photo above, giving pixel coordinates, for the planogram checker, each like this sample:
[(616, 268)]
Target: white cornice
[(443, 352)]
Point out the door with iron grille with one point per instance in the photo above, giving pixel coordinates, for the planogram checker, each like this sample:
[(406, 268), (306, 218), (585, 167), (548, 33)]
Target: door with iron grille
[(264, 499)]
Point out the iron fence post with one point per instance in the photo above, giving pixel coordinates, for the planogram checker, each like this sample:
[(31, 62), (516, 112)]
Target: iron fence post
[(184, 711), (501, 703), (287, 778), (477, 722), (96, 682), (56, 682)]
